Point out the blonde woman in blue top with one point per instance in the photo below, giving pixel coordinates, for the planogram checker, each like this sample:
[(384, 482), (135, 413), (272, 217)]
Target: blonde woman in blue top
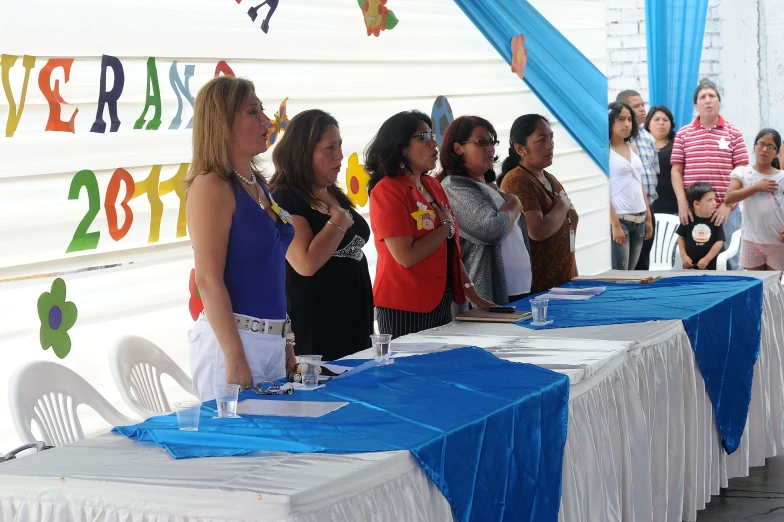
[(240, 237)]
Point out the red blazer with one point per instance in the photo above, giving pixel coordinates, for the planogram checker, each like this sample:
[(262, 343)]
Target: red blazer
[(421, 287)]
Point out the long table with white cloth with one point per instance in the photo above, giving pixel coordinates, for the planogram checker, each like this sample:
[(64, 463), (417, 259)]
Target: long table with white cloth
[(642, 443)]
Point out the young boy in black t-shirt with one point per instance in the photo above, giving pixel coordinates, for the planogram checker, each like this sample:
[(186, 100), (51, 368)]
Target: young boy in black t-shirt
[(700, 241)]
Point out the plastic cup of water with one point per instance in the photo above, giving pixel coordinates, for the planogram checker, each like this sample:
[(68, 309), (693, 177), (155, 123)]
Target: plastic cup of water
[(309, 369), (188, 415), (539, 312), (226, 399), (381, 350)]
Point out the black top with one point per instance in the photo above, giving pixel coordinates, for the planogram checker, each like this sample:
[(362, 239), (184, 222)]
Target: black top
[(331, 311), (666, 202), (700, 235)]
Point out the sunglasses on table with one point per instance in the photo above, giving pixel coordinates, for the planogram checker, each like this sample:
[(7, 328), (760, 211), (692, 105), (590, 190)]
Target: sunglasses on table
[(271, 388)]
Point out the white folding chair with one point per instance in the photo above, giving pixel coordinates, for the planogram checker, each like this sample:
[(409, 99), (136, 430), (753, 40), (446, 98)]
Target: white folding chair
[(732, 251), (137, 365), (48, 394), (665, 243)]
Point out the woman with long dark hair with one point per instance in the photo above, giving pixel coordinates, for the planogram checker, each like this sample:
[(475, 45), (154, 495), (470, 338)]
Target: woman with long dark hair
[(328, 287), (660, 124), (419, 272), (493, 234), (550, 217)]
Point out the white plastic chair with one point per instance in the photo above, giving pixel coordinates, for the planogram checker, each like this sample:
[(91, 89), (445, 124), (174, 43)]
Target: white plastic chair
[(665, 242), (48, 394), (732, 251), (137, 365)]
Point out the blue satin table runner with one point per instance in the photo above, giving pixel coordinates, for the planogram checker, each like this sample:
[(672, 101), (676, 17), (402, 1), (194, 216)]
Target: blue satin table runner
[(722, 316), (489, 433)]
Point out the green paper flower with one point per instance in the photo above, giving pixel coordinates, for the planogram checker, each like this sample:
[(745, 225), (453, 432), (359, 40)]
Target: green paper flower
[(57, 317)]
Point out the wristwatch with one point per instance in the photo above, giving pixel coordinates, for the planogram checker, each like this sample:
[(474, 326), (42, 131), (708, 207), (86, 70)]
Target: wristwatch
[(451, 228)]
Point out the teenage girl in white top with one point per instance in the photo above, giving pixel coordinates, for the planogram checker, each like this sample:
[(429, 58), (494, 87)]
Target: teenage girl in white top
[(630, 217), (761, 187)]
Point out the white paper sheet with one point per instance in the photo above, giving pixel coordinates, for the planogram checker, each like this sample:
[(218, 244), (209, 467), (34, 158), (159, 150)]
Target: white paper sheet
[(416, 347), (574, 294), (287, 408)]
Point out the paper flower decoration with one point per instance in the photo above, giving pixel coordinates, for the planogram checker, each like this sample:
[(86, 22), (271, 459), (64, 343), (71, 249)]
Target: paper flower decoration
[(519, 55), (357, 180), (442, 116), (195, 305), (278, 124), (57, 317), (377, 17)]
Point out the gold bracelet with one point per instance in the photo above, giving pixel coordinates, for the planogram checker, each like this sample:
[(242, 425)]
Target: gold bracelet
[(336, 226)]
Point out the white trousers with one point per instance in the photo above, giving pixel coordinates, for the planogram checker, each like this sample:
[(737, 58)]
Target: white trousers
[(266, 355)]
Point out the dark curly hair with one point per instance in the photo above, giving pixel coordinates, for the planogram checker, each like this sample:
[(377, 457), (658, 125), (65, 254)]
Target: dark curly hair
[(384, 154), (615, 109), (458, 132)]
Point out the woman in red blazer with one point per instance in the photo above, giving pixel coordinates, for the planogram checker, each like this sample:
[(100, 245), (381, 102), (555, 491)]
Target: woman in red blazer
[(419, 272)]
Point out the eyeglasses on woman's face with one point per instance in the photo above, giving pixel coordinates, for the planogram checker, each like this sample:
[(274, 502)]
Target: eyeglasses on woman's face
[(771, 148), (425, 136), (482, 142)]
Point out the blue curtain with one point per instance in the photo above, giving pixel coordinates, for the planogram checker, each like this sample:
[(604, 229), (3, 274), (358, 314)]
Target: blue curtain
[(674, 33), (569, 85)]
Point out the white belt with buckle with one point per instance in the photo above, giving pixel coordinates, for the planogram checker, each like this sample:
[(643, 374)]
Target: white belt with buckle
[(262, 326), (633, 218)]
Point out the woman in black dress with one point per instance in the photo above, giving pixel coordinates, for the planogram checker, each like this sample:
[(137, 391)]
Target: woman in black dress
[(328, 289), (659, 124)]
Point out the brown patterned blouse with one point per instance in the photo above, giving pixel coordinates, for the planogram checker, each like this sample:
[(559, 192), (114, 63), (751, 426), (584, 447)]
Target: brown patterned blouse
[(551, 262)]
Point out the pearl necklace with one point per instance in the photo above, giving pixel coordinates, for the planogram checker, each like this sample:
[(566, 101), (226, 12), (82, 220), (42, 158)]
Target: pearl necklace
[(251, 182)]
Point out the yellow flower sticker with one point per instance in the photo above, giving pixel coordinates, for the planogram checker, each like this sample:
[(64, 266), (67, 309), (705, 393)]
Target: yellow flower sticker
[(357, 180), (282, 214)]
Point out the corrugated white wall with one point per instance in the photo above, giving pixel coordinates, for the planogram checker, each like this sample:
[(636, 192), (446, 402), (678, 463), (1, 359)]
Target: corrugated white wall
[(317, 54)]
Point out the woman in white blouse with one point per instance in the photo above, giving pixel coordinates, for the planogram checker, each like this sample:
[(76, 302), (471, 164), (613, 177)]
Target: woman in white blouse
[(630, 217)]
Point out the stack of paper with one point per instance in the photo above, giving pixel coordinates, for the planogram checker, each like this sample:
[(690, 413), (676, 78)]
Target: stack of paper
[(573, 294)]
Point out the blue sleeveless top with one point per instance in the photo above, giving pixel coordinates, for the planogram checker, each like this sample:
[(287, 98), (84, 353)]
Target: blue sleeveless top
[(255, 271)]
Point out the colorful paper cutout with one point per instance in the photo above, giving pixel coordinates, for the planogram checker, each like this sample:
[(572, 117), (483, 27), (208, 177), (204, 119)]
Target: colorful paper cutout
[(57, 316), (6, 62), (223, 68), (254, 11), (442, 116), (519, 55), (112, 191), (109, 97), (377, 17), (424, 217), (278, 124), (195, 304), (83, 240), (357, 180), (282, 214), (152, 99), (52, 95), (178, 87)]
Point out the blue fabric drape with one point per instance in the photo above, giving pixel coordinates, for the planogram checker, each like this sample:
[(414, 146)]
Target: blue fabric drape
[(490, 433), (721, 314), (568, 84), (674, 32)]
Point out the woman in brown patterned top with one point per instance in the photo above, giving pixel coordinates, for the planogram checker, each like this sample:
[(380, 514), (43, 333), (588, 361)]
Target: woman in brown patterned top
[(550, 215)]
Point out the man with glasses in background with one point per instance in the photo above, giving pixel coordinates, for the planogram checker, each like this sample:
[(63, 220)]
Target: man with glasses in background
[(707, 151), (649, 155)]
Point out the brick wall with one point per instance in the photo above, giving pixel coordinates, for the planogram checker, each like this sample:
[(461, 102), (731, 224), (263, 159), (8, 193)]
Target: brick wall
[(627, 59)]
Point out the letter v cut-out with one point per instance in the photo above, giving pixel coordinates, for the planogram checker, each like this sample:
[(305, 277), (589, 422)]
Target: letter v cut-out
[(7, 61)]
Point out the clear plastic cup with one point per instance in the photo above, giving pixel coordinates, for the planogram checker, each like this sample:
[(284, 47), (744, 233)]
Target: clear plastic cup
[(539, 312), (309, 369), (188, 415), (226, 400), (381, 350)]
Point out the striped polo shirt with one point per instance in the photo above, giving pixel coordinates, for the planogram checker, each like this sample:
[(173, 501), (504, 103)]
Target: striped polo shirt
[(709, 155)]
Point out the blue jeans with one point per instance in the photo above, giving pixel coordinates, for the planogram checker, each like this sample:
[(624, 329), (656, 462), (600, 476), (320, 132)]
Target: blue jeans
[(625, 256), (734, 222)]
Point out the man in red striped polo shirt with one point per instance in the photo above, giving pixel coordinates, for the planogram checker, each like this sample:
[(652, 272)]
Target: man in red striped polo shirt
[(706, 151)]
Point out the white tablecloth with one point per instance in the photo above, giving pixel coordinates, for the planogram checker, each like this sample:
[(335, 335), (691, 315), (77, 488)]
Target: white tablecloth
[(642, 445)]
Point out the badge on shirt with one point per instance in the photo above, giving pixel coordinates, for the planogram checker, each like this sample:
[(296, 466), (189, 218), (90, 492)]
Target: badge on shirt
[(424, 217), (724, 144), (284, 216), (701, 233)]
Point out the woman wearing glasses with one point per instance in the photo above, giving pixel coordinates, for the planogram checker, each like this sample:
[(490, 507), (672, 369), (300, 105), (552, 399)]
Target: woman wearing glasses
[(762, 187), (549, 214), (419, 272), (493, 234)]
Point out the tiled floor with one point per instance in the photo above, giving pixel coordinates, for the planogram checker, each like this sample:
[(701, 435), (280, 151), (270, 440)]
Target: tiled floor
[(757, 498)]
